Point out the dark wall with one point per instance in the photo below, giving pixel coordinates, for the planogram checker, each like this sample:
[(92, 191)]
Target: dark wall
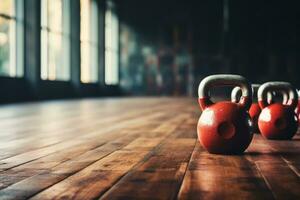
[(167, 47), (262, 40)]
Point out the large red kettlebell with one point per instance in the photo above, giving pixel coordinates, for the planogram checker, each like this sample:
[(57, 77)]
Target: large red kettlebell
[(254, 110), (224, 127), (277, 120)]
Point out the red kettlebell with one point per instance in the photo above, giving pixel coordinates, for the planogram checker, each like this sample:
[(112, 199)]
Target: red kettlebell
[(277, 121), (271, 96), (254, 110), (224, 127)]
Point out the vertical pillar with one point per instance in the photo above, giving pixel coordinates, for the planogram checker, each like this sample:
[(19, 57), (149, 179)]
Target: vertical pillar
[(101, 53), (75, 44), (32, 44)]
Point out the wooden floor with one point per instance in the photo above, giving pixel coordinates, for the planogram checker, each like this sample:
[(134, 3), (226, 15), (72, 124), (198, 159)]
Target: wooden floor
[(134, 148)]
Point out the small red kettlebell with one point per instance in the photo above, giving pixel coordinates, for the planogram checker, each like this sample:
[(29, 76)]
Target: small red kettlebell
[(277, 121), (272, 95), (224, 127), (254, 110)]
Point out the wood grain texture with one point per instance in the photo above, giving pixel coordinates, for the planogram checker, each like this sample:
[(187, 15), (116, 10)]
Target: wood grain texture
[(132, 148)]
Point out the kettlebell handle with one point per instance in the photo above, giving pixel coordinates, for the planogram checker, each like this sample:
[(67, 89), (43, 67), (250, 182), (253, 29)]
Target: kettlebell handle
[(235, 93), (284, 93), (283, 87), (237, 90), (224, 80)]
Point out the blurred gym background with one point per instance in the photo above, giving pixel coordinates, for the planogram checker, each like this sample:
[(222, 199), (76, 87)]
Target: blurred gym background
[(84, 48)]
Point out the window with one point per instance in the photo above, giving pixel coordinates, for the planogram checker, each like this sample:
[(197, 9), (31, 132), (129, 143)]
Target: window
[(55, 40), (11, 38), (111, 45), (89, 41)]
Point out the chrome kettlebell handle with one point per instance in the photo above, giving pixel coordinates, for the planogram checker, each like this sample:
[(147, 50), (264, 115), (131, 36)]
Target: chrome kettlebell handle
[(270, 97), (237, 90), (234, 94), (284, 87), (285, 96), (224, 80)]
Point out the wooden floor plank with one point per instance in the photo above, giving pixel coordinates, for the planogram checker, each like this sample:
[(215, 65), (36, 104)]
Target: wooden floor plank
[(111, 167), (63, 170), (132, 148), (157, 177), (281, 178), (160, 175), (30, 191), (55, 136), (55, 159), (289, 152), (64, 129), (95, 133), (212, 176)]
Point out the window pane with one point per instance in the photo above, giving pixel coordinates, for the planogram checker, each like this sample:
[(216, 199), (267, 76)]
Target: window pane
[(11, 38), (55, 40), (44, 13), (7, 7), (94, 22), (64, 72), (89, 41), (44, 54), (7, 47), (94, 64), (111, 46), (58, 68), (85, 7), (4, 47), (85, 62), (54, 52), (55, 15)]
